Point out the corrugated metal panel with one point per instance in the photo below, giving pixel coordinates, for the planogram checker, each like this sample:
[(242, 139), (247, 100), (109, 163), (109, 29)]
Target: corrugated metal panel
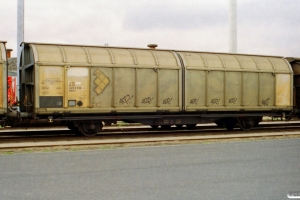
[(103, 56), (147, 80), (100, 55), (47, 53), (145, 57), (107, 79), (248, 63), (226, 82), (234, 62)]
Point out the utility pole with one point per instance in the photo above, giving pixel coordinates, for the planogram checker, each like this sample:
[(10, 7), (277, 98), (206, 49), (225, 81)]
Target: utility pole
[(20, 40)]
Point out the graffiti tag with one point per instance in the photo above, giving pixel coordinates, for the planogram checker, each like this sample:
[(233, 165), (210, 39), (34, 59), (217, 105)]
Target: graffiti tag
[(167, 101), (232, 100), (194, 101), (265, 102), (147, 100), (215, 101), (126, 99)]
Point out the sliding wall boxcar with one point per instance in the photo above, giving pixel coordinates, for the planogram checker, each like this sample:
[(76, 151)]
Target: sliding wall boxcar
[(295, 63), (3, 78), (89, 79), (226, 82)]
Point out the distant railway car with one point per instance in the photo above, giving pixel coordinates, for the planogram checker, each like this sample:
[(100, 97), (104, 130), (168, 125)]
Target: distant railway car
[(295, 63), (86, 86), (3, 81), (12, 88)]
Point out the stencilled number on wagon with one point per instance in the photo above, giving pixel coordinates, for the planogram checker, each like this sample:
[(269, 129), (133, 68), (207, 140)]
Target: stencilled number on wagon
[(73, 86), (215, 101), (51, 81), (45, 87)]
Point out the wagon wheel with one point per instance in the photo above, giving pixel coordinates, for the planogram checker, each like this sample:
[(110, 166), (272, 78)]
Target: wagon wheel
[(165, 126), (89, 129), (72, 127), (154, 126), (258, 119), (76, 131), (247, 123), (230, 123), (220, 123), (191, 125), (12, 122)]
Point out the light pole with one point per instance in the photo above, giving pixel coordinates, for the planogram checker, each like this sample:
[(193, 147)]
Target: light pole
[(20, 39), (232, 27)]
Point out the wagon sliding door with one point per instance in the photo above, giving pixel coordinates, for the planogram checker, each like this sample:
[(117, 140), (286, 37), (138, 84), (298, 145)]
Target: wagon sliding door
[(51, 86)]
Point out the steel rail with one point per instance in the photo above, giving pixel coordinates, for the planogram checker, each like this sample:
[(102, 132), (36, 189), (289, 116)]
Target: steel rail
[(152, 139), (62, 133)]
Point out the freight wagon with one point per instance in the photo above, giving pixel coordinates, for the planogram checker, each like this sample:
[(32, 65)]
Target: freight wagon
[(85, 87), (295, 63), (3, 82)]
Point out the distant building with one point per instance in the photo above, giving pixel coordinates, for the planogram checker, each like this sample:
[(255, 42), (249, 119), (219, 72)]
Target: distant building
[(12, 62)]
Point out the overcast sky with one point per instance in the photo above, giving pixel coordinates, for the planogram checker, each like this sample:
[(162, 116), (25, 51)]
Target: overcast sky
[(266, 27)]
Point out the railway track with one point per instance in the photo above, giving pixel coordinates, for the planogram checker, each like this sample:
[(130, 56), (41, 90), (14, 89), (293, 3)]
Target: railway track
[(62, 137)]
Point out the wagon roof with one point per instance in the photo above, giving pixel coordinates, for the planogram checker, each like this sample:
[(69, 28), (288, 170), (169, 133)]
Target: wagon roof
[(69, 54), (157, 49), (102, 55)]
